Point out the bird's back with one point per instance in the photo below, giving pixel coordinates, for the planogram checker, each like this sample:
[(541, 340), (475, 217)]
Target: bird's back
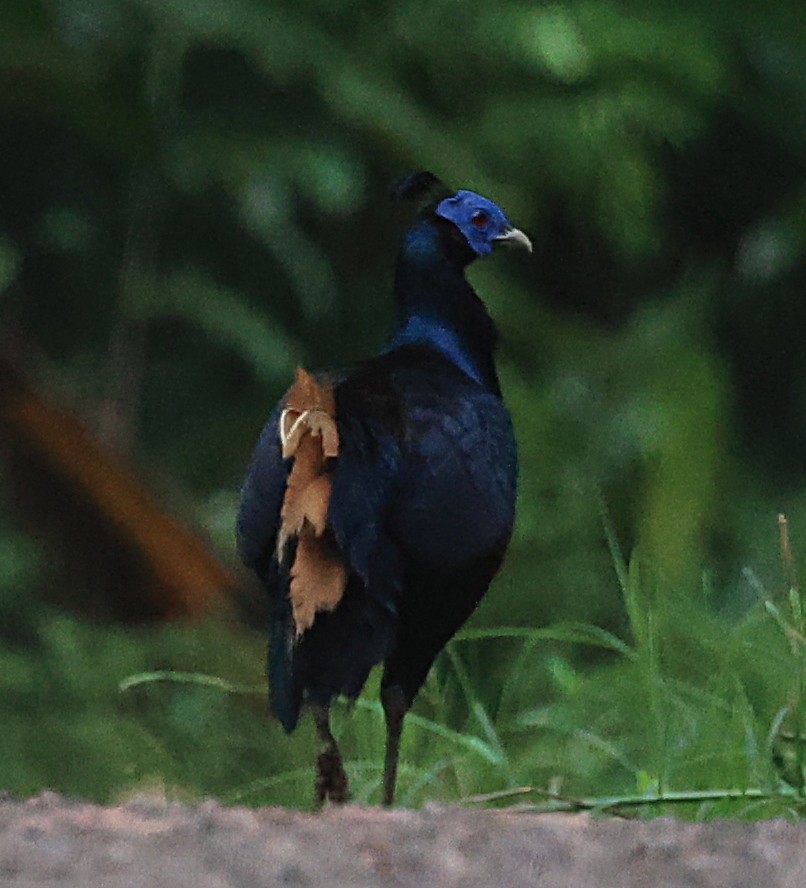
[(449, 513), (448, 445)]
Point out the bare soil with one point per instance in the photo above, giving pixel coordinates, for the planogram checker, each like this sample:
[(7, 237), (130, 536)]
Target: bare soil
[(51, 841)]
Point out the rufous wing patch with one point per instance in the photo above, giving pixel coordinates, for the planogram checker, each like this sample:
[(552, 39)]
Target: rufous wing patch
[(309, 435), (318, 579), (309, 407)]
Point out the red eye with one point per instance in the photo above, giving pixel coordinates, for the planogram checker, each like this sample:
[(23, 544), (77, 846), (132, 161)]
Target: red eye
[(480, 219)]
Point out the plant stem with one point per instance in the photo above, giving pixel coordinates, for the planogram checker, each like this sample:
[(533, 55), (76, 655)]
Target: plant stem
[(560, 803)]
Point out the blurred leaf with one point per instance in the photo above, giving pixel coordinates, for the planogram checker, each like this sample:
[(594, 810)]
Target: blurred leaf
[(224, 317)]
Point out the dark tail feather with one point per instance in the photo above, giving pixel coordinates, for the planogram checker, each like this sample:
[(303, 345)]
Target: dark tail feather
[(285, 685)]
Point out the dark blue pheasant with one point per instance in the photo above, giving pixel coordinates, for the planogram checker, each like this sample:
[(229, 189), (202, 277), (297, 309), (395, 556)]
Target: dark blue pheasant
[(380, 501)]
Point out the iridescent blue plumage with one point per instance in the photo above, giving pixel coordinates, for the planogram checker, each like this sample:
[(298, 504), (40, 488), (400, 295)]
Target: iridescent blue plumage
[(422, 491), (479, 219)]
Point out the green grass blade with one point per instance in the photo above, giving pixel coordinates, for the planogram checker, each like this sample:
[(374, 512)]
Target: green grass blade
[(575, 633), (199, 679), (469, 742), (613, 545)]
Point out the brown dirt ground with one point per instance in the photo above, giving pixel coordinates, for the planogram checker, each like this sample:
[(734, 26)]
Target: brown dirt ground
[(51, 841)]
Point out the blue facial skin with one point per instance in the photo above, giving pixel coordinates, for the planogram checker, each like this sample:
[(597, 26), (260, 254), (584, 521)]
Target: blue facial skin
[(477, 217)]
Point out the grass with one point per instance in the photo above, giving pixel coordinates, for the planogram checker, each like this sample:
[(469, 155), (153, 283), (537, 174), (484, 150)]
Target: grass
[(686, 712)]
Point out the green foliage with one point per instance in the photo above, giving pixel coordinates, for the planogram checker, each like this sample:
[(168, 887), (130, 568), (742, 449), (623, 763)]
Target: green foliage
[(204, 183), (691, 713)]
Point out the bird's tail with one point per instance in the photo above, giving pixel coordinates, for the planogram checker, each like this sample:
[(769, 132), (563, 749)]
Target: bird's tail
[(285, 682)]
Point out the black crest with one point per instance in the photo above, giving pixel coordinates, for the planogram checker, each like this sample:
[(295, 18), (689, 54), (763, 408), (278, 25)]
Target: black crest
[(421, 186)]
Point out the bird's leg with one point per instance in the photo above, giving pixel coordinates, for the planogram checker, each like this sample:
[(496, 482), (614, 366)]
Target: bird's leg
[(331, 781), (395, 708)]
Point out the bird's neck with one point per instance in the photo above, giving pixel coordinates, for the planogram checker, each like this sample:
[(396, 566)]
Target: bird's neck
[(437, 307)]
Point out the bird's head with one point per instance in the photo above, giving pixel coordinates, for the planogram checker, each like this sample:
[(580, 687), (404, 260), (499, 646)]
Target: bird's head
[(481, 222)]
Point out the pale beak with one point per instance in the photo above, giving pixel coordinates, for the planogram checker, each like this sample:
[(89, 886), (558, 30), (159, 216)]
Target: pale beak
[(514, 237)]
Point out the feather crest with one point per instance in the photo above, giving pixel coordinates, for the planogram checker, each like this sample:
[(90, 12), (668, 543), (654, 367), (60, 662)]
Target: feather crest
[(309, 436)]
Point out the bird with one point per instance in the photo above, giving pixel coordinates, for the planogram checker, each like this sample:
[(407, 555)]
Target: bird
[(380, 499)]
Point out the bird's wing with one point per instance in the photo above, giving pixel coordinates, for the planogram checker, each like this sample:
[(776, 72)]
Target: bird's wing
[(427, 464), (262, 497), (459, 477), (419, 448), (365, 482), (285, 496), (311, 524)]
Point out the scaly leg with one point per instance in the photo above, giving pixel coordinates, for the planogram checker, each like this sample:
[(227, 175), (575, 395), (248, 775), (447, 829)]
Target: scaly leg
[(395, 709), (331, 781)]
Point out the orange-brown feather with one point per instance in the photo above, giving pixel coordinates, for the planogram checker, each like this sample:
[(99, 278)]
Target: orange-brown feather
[(309, 435)]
